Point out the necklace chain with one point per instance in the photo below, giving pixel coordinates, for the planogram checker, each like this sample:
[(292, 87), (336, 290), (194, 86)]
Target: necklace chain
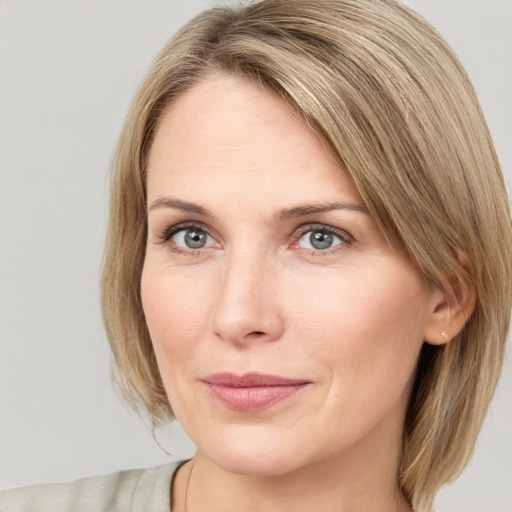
[(186, 488)]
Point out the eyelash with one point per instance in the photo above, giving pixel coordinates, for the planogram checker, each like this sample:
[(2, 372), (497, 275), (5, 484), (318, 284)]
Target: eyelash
[(165, 236), (345, 238)]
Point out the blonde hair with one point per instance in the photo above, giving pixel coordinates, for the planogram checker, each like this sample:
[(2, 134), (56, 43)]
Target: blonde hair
[(394, 105)]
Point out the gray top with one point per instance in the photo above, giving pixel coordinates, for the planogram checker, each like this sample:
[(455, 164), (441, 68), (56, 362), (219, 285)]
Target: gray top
[(136, 490)]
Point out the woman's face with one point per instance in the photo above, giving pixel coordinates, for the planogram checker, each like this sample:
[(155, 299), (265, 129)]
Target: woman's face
[(285, 328)]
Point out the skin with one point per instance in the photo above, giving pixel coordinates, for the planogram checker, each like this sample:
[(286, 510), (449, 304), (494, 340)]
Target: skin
[(350, 319)]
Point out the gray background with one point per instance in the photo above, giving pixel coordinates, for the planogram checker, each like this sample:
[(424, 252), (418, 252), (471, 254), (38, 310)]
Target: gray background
[(68, 70)]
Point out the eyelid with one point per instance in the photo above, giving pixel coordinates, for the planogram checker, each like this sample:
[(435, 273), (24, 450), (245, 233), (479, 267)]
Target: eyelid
[(317, 226)]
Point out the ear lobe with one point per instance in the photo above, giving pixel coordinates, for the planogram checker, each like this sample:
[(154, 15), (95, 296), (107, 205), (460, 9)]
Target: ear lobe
[(452, 308)]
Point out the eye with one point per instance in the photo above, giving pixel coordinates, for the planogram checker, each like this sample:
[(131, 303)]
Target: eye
[(192, 238), (322, 239), (186, 238)]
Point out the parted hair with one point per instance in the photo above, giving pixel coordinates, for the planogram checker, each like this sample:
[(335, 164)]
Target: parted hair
[(392, 103)]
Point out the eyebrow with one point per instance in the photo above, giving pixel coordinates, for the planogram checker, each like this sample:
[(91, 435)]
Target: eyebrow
[(316, 209), (289, 213), (167, 202)]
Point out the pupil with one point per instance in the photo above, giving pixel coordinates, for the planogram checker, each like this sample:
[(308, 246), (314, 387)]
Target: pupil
[(320, 239), (195, 239)]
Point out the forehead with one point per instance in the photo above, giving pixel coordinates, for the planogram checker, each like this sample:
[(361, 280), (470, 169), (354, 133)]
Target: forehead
[(225, 112), (230, 135)]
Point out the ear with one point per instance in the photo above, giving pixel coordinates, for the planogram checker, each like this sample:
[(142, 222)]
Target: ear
[(451, 308)]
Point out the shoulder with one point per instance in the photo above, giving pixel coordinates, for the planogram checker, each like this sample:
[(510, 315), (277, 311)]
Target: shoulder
[(134, 490)]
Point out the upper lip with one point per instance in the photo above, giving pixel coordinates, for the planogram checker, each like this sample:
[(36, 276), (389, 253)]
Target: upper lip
[(251, 379)]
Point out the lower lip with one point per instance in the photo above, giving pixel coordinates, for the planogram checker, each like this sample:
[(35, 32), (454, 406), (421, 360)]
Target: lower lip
[(253, 398)]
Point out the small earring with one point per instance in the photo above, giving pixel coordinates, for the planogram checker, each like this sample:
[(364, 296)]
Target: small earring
[(444, 334)]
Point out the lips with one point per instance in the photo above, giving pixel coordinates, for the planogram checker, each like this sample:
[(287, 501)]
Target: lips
[(252, 391)]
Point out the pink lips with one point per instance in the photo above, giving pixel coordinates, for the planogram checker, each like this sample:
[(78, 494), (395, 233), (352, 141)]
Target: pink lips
[(252, 391)]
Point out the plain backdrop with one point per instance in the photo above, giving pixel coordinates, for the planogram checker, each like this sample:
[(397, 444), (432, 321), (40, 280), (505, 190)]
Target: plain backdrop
[(68, 70)]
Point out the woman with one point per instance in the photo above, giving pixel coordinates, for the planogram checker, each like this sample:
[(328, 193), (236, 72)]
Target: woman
[(302, 263)]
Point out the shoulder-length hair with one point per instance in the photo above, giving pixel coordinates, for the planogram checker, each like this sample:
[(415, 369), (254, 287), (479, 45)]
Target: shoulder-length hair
[(395, 107)]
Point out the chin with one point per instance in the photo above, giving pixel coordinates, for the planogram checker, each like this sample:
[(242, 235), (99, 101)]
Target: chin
[(253, 453), (260, 465)]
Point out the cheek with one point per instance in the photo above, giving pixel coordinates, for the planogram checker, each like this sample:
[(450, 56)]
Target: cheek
[(366, 304), (367, 341), (176, 310), (369, 330)]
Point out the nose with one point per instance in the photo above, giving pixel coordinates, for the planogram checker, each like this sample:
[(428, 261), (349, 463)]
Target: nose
[(248, 306)]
